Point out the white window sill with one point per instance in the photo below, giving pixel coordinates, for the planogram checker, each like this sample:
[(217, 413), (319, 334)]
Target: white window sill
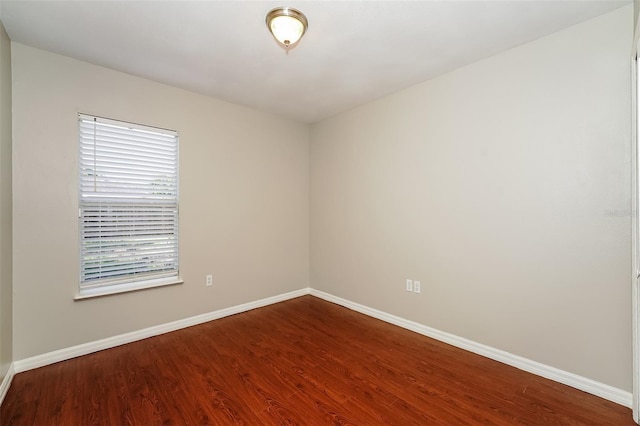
[(87, 293)]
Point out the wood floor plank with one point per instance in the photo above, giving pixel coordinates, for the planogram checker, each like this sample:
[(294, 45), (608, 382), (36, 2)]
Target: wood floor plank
[(301, 362)]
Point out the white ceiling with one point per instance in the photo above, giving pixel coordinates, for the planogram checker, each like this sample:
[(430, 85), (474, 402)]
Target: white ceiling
[(353, 52)]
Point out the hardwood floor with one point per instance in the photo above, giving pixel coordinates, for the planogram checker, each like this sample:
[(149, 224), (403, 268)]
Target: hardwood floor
[(303, 361)]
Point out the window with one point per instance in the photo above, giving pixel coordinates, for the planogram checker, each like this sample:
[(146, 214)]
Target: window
[(128, 199)]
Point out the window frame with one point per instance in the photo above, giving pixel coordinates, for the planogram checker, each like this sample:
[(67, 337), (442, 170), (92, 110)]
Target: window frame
[(132, 282)]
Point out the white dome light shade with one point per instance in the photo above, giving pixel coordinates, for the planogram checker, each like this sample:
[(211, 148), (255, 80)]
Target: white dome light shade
[(286, 30), (287, 25)]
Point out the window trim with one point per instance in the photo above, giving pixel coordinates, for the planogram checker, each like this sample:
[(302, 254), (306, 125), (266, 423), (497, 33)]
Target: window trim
[(91, 292), (135, 283)]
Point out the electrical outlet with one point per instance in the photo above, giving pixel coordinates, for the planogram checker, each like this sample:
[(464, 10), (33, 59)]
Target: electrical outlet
[(416, 286), (409, 285), (209, 280)]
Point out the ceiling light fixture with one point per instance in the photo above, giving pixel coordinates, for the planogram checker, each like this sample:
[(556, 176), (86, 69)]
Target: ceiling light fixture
[(287, 25)]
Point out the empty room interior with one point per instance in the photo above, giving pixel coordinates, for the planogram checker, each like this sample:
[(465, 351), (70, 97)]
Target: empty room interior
[(350, 212)]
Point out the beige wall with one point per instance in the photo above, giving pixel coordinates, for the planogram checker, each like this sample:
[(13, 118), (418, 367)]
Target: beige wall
[(636, 35), (243, 202), (6, 322), (504, 187)]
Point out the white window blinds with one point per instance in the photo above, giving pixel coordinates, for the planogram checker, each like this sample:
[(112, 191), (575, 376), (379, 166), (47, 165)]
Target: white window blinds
[(128, 202)]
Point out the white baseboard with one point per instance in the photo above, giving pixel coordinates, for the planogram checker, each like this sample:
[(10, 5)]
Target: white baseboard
[(6, 382), (110, 342), (582, 383)]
